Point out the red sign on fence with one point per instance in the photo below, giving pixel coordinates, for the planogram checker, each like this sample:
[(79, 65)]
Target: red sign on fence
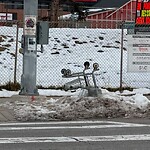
[(143, 12)]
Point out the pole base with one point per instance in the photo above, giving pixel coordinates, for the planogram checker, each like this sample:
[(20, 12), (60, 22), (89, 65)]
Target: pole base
[(27, 93)]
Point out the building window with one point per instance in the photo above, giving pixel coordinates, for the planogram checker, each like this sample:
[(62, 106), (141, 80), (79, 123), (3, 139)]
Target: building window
[(43, 6), (14, 5)]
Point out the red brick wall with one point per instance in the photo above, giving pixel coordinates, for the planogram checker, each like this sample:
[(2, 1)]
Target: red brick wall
[(20, 12)]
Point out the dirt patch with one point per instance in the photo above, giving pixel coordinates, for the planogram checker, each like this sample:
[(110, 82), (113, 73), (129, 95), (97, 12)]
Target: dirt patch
[(1, 39), (6, 45), (2, 49)]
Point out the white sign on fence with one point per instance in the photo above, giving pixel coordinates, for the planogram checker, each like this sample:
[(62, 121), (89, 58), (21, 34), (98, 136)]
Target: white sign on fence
[(138, 53), (30, 25)]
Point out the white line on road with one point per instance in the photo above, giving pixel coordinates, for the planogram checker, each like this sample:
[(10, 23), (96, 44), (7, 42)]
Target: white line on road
[(68, 122), (73, 127), (76, 139), (59, 122)]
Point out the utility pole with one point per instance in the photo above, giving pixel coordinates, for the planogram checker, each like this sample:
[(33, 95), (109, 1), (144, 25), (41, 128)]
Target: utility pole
[(29, 42), (54, 12)]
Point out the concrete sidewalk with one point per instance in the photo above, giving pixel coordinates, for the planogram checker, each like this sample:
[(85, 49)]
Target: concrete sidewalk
[(6, 114)]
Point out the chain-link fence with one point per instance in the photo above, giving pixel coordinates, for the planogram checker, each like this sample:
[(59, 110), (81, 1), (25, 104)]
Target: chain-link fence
[(10, 58), (70, 45)]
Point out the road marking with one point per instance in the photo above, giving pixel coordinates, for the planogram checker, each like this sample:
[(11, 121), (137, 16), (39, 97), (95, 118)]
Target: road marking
[(59, 122), (68, 122), (73, 127), (76, 139)]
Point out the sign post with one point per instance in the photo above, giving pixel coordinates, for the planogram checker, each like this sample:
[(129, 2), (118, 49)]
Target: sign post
[(28, 78)]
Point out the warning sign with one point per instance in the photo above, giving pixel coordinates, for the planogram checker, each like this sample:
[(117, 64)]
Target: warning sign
[(30, 25)]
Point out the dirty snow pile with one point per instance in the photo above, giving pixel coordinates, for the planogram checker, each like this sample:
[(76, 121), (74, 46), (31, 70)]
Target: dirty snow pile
[(109, 105)]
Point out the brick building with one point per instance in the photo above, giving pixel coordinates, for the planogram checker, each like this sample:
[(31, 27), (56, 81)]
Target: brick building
[(109, 15), (13, 9)]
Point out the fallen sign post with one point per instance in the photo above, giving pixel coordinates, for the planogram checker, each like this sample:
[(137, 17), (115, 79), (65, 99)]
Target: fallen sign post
[(93, 91)]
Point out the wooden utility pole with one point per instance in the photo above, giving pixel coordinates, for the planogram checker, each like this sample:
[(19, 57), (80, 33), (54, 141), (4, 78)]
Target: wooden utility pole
[(54, 12)]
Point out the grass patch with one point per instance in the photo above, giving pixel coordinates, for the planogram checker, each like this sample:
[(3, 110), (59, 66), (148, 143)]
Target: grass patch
[(6, 45), (118, 89), (10, 86), (1, 39), (51, 87), (2, 48)]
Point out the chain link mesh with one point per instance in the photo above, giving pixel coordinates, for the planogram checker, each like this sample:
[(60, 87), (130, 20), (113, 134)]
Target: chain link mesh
[(70, 45), (8, 49)]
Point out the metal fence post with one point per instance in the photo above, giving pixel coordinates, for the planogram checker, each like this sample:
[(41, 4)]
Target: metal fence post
[(16, 53), (121, 57)]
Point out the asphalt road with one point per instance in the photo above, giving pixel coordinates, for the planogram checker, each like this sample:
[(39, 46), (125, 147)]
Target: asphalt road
[(120, 134)]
